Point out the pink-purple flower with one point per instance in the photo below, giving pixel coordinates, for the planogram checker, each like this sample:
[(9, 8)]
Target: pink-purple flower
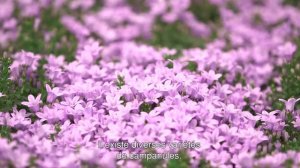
[(33, 103)]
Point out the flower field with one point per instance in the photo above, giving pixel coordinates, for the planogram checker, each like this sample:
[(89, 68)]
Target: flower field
[(149, 83)]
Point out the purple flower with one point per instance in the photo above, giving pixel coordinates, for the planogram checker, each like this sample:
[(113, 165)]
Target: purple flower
[(245, 159), (290, 104), (84, 105), (297, 122), (218, 159), (67, 160), (286, 50), (6, 9), (19, 119), (72, 102), (52, 93), (108, 160), (33, 103), (271, 121), (51, 115), (214, 138), (211, 76)]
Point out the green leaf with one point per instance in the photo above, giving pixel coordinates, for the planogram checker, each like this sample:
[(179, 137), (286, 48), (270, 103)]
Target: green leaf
[(147, 107), (192, 66), (175, 35), (182, 162), (205, 11), (120, 81), (152, 163)]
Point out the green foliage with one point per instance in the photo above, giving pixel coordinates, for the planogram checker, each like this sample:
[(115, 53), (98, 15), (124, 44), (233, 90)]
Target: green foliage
[(16, 93), (259, 2), (172, 57), (120, 81), (31, 39), (5, 132), (257, 19), (290, 83), (240, 79), (66, 40), (152, 163), (288, 163), (97, 6), (204, 164), (5, 83), (182, 162), (138, 5), (178, 36), (232, 6), (147, 107), (247, 107), (291, 78), (85, 164), (192, 66), (175, 35), (13, 94), (57, 130), (170, 65), (169, 58), (32, 162), (295, 3), (42, 80), (205, 11), (294, 141), (62, 42), (290, 88), (275, 96), (11, 164)]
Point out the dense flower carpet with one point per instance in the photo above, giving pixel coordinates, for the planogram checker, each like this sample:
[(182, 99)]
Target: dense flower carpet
[(149, 83)]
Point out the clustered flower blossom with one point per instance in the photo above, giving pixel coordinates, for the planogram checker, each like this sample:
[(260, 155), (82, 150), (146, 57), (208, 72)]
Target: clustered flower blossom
[(99, 97), (8, 24)]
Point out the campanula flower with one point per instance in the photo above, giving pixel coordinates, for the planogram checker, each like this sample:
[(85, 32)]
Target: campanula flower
[(290, 104), (33, 103)]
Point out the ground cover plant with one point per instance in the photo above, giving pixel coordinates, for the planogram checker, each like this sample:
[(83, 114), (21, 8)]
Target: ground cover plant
[(75, 74)]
